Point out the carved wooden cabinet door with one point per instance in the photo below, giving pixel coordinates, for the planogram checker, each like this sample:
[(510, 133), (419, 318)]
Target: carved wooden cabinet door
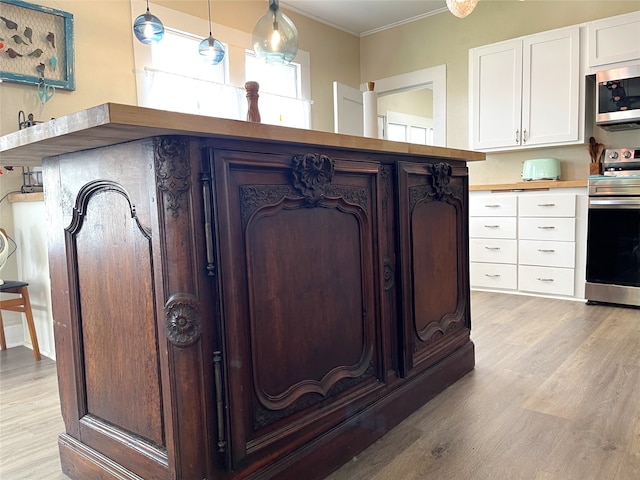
[(432, 238), (300, 279)]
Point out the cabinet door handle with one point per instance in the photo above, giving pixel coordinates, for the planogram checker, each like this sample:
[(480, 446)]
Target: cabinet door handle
[(220, 407), (546, 250), (495, 275), (545, 279), (492, 248), (492, 206), (546, 227), (518, 136), (492, 226), (524, 136), (546, 204)]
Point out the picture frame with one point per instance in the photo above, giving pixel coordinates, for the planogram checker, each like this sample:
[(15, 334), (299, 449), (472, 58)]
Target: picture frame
[(37, 45)]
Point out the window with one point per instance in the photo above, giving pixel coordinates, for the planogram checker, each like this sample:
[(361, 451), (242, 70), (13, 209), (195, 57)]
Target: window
[(177, 53), (280, 101), (178, 80), (171, 76), (402, 127)]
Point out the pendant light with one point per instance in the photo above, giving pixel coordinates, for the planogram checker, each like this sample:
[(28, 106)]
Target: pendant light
[(275, 37), (210, 49), (461, 8), (148, 28)]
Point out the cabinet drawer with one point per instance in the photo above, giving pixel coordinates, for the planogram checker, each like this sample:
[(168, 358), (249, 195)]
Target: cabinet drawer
[(547, 206), (493, 206), (492, 227), (547, 254), (557, 281), (532, 228), (493, 250), (493, 275)]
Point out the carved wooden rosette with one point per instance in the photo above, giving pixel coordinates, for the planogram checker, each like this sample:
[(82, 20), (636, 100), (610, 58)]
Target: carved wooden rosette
[(173, 172), (183, 319)]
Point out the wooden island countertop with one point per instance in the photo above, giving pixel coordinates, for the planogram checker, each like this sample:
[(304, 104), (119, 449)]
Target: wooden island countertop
[(112, 123), (532, 185)]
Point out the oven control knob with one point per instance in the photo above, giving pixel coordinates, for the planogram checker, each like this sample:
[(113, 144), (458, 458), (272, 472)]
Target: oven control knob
[(627, 154), (613, 155)]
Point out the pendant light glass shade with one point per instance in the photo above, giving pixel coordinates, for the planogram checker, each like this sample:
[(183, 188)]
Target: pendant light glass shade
[(148, 28), (210, 49), (275, 37), (461, 8)]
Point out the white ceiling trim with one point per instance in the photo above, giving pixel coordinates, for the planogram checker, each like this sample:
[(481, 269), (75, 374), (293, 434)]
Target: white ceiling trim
[(368, 32), (403, 22), (317, 19)]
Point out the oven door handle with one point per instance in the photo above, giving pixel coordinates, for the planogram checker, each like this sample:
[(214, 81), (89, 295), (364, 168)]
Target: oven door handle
[(613, 203)]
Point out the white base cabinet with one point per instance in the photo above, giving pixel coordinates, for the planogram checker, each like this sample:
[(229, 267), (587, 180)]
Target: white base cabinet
[(532, 243), (493, 244), (546, 243), (545, 280)]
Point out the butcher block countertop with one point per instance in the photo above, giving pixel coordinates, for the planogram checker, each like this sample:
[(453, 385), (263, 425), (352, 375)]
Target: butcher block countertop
[(532, 185), (112, 123)]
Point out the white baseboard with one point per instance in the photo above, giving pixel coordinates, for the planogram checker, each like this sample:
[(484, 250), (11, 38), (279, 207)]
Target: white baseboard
[(14, 334)]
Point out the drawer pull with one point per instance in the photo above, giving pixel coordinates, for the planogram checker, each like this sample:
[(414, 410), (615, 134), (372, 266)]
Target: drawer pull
[(492, 248), (493, 206), (494, 275), (492, 226), (545, 279), (548, 227), (546, 250), (546, 204)]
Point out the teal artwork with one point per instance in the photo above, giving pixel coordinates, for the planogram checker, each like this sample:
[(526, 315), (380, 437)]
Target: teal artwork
[(36, 45)]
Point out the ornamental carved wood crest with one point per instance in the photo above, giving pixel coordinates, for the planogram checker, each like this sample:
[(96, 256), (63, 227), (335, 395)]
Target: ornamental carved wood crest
[(440, 179), (312, 175), (173, 172)]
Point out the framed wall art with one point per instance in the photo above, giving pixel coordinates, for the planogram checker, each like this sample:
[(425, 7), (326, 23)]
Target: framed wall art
[(36, 45)]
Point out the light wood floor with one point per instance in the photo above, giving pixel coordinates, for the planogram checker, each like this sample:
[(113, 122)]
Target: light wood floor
[(555, 396)]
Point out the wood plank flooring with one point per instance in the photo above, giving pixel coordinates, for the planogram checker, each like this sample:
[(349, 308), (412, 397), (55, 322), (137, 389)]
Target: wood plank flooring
[(555, 395), (30, 418)]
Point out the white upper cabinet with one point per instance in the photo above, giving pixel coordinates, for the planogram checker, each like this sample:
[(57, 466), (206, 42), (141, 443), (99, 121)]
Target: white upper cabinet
[(613, 40), (527, 92), (496, 95)]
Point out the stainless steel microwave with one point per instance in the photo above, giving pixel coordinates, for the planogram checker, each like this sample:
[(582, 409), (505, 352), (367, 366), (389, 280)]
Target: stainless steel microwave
[(618, 98)]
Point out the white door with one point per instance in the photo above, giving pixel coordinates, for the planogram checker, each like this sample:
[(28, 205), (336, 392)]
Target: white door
[(550, 87), (347, 110), (496, 94)]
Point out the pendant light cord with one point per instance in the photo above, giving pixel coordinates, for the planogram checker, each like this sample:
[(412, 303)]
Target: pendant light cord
[(209, 3)]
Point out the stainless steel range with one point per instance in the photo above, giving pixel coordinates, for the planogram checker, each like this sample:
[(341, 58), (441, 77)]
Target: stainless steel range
[(613, 232)]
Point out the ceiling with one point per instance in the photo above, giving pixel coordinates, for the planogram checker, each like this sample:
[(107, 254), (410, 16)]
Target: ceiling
[(361, 17)]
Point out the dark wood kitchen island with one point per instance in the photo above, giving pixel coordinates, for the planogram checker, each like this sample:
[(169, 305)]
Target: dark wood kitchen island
[(235, 300)]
